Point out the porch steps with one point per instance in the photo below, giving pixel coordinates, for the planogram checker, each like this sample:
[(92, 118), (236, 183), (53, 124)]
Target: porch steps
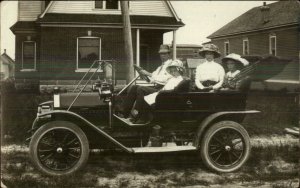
[(163, 149)]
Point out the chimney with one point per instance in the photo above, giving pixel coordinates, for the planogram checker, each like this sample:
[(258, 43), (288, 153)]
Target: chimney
[(265, 12), (5, 51)]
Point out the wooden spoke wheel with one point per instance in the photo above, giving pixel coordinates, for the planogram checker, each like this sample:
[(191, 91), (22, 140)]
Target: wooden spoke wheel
[(225, 146), (59, 148)]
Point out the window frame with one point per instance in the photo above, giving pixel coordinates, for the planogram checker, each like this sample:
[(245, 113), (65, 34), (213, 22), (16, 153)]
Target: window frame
[(248, 45), (77, 48), (226, 42), (23, 69), (104, 6), (270, 44)]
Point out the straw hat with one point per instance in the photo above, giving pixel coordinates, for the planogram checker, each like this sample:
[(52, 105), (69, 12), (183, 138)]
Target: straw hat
[(164, 49), (210, 48), (236, 58), (175, 63)]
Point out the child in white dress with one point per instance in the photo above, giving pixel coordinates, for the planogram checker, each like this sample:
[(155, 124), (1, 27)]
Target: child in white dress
[(176, 70), (234, 63)]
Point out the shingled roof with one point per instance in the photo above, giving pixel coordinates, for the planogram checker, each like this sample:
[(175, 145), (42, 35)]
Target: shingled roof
[(281, 14)]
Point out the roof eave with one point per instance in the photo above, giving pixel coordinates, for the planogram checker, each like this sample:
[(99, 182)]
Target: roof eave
[(251, 31), (114, 25)]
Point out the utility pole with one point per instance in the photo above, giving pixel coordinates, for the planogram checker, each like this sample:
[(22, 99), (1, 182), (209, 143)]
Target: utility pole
[(127, 41)]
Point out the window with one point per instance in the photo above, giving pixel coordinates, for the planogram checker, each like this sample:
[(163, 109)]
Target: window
[(272, 45), (107, 4), (88, 50), (245, 46), (112, 4), (29, 55), (99, 4), (226, 47)]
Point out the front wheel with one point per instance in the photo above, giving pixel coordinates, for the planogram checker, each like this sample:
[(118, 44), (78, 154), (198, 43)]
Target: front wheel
[(225, 146), (59, 148)]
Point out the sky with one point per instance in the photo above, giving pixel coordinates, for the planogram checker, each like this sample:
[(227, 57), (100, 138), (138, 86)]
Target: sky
[(201, 18)]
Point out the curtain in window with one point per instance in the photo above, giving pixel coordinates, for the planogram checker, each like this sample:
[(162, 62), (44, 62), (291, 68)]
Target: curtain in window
[(273, 45), (88, 51), (28, 55), (99, 4)]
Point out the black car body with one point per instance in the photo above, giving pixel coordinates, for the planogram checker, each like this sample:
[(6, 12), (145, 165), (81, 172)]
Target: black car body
[(73, 123)]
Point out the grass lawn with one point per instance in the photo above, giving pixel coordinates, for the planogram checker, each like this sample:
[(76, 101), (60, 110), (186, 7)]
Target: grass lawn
[(273, 163)]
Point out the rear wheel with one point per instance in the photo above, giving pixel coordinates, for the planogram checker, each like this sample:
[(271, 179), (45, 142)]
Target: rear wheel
[(225, 146), (59, 148)]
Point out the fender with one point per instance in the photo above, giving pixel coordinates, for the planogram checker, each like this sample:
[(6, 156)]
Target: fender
[(91, 125), (206, 122)]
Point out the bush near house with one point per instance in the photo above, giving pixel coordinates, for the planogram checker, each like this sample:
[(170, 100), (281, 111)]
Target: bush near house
[(278, 111), (18, 111)]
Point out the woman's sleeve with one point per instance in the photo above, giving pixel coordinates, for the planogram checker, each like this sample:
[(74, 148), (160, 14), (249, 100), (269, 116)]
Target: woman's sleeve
[(197, 79)]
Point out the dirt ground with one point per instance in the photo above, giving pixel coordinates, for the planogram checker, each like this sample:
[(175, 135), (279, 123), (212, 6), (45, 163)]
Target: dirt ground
[(273, 163)]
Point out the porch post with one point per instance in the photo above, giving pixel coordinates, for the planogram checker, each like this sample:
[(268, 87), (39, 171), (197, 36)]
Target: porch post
[(127, 41), (174, 45), (138, 47)]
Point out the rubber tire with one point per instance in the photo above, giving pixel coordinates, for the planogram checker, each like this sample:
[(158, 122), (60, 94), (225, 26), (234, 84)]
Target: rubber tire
[(62, 125), (214, 129)]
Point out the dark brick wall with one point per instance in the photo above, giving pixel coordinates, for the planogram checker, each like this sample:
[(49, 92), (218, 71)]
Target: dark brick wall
[(56, 51)]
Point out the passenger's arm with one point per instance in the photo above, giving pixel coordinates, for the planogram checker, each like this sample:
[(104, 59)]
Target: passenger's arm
[(197, 79), (161, 78), (221, 78)]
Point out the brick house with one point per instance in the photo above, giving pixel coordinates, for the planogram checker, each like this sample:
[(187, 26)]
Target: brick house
[(56, 41), (267, 29)]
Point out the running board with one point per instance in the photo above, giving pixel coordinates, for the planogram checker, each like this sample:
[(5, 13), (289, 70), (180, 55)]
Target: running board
[(163, 149), (126, 120)]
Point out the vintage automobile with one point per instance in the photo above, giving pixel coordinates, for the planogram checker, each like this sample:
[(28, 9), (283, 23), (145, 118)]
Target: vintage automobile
[(67, 128)]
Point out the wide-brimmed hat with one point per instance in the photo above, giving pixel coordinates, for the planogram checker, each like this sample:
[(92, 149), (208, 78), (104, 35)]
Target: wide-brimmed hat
[(210, 48), (164, 49), (175, 63), (236, 58)]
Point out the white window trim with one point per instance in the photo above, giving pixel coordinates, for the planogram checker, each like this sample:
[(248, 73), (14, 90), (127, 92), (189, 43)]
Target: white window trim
[(87, 69), (270, 46), (226, 42), (28, 70), (246, 40), (104, 6)]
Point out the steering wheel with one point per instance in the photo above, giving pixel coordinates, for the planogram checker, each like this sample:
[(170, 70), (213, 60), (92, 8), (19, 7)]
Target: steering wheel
[(139, 69)]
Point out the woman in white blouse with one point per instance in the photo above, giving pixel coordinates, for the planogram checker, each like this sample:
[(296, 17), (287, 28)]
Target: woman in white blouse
[(209, 75)]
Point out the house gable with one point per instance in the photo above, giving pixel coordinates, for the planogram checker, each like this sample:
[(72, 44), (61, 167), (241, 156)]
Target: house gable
[(29, 10), (143, 8)]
